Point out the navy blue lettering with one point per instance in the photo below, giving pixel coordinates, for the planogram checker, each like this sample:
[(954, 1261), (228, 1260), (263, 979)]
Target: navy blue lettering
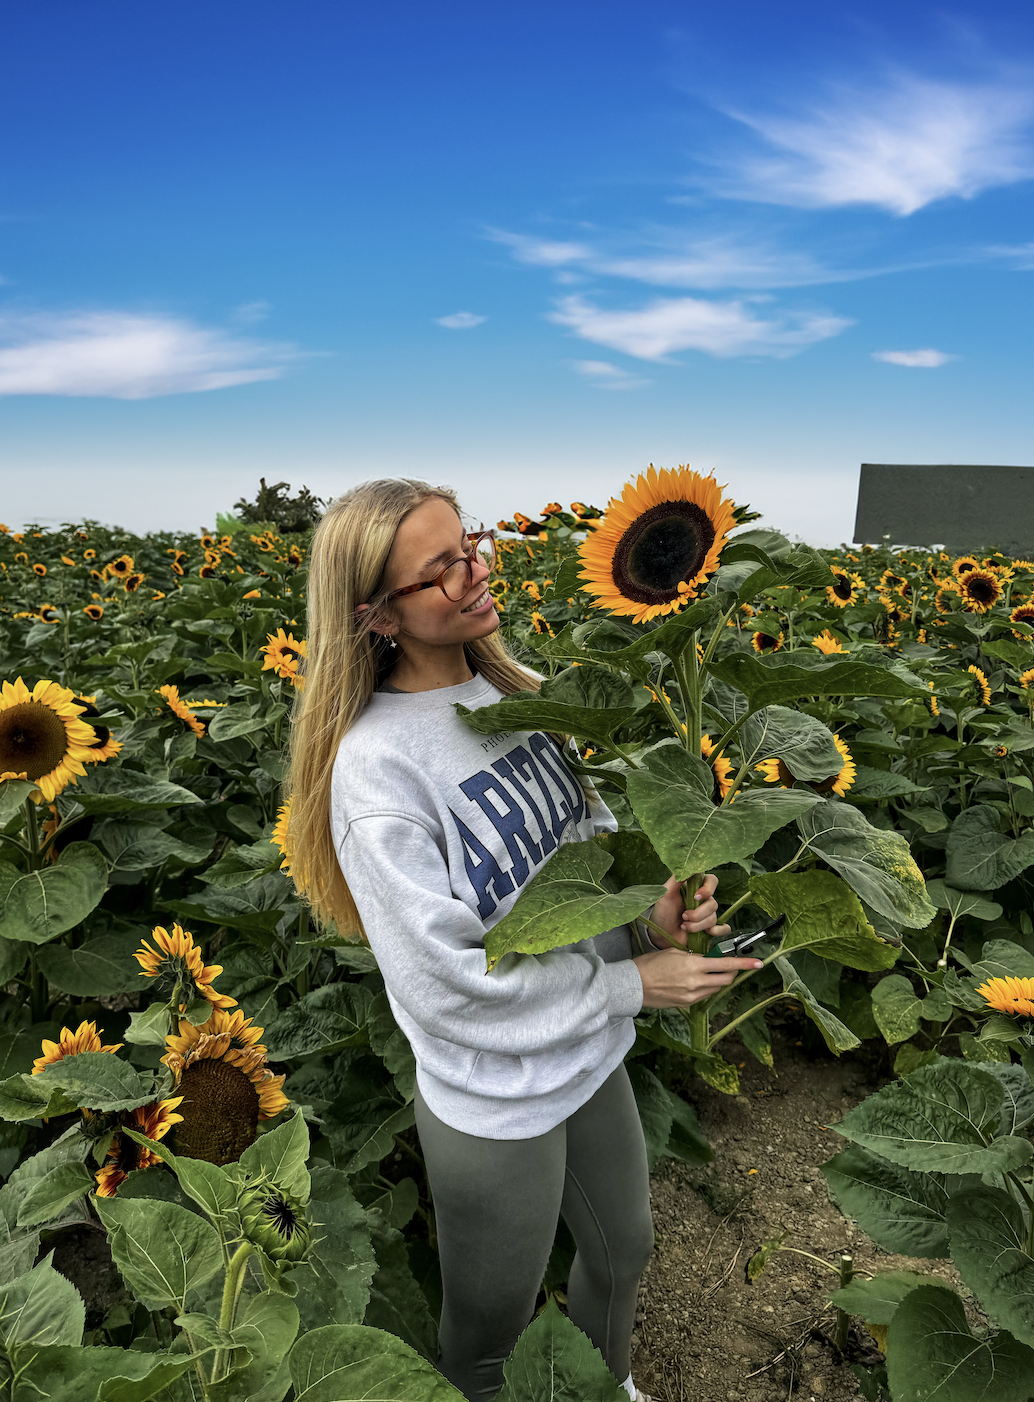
[(510, 824), (482, 870), (574, 801), (508, 768)]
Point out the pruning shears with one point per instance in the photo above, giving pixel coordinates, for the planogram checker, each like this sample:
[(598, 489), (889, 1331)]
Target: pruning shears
[(743, 943)]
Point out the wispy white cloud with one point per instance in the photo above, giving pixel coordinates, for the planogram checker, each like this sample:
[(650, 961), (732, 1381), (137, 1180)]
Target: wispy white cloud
[(250, 313), (125, 355), (603, 375), (461, 321), (671, 324), (539, 252), (898, 146), (915, 359)]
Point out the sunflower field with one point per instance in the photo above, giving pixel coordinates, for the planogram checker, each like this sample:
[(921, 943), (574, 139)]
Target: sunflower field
[(212, 1184)]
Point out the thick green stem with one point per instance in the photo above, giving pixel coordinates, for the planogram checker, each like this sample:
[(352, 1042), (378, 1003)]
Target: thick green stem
[(232, 1287)]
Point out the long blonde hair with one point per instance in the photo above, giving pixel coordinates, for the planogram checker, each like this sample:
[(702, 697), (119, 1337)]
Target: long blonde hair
[(345, 662)]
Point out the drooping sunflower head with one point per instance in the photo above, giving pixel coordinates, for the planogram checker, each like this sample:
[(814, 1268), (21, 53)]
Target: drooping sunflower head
[(208, 541), (980, 589), (281, 836), (154, 1122), (104, 746), (176, 961), (42, 737), (540, 625), (283, 654), (40, 570), (1014, 996), (658, 542), (775, 772), (132, 582), (1027, 679), (767, 642), (980, 678), (48, 614), (827, 643), (226, 1085), (942, 600), (85, 1038), (181, 709)]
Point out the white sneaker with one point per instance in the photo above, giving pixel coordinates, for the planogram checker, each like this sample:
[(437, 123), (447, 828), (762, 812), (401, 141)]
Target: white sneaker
[(641, 1396)]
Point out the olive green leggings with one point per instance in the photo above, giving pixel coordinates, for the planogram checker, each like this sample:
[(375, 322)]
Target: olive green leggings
[(497, 1202)]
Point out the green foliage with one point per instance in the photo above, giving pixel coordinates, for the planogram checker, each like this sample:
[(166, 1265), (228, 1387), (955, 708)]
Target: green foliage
[(555, 1362)]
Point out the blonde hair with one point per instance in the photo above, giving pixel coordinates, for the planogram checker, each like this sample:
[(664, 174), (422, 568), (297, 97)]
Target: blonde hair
[(345, 662)]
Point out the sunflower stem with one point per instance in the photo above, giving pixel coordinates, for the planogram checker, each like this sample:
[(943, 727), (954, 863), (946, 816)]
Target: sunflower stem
[(232, 1287), (755, 1008)]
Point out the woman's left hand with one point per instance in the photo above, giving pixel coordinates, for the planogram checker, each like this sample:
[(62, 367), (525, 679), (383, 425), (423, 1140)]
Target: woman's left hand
[(672, 916)]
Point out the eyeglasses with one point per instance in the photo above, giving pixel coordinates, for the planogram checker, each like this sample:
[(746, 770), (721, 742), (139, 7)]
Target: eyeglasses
[(456, 578)]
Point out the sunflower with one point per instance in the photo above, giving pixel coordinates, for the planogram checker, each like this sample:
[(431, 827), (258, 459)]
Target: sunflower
[(775, 772), (207, 572), (181, 709), (981, 681), (765, 642), (94, 611), (540, 625), (177, 568), (154, 1122), (840, 783), (48, 614), (208, 542), (89, 554), (85, 1038), (132, 582), (120, 568), (226, 1086), (942, 599), (42, 737), (827, 643), (722, 767), (498, 588), (658, 542), (21, 558), (963, 565), (1009, 995), (40, 570), (1022, 613), (295, 556), (981, 590), (283, 654), (530, 587), (281, 838), (894, 583), (103, 747), (935, 710), (176, 961), (844, 591)]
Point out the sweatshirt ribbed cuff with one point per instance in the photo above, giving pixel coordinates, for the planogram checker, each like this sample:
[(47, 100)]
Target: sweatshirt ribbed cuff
[(625, 988)]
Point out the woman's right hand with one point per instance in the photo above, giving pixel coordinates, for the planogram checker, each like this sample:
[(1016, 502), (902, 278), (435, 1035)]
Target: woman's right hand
[(673, 979)]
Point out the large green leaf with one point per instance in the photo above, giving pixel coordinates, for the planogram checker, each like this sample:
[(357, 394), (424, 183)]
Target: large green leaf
[(240, 719), (942, 1118), (326, 1020), (52, 1193), (13, 793), (39, 905), (333, 1282), (988, 1245), (122, 790), (933, 1356), (896, 1008), (691, 834), (958, 903), (837, 1036), (787, 676), (876, 1301), (528, 710), (672, 638), (354, 1363), (267, 1327), (64, 1373), (589, 685), (211, 1186), (553, 1361), (370, 1133), (100, 968), (162, 1250), (564, 902), (803, 743), (980, 856), (397, 1302), (41, 1307), (97, 1081), (876, 863), (25, 1097), (135, 847), (280, 1156), (823, 915), (655, 1110)]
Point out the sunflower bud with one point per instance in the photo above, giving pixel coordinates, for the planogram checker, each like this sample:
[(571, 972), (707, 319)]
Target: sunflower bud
[(276, 1223)]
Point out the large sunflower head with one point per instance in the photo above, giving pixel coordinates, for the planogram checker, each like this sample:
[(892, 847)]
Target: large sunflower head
[(658, 542), (125, 1155), (42, 736), (176, 961), (85, 1038), (121, 568), (283, 654), (980, 589), (226, 1086), (1027, 679)]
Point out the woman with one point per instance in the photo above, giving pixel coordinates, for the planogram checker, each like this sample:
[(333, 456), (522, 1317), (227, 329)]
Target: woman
[(407, 824)]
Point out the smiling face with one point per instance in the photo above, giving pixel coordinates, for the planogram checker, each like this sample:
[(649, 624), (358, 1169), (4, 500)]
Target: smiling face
[(429, 538)]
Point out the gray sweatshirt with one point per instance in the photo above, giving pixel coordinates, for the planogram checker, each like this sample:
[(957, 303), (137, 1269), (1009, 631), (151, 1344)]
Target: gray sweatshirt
[(438, 829)]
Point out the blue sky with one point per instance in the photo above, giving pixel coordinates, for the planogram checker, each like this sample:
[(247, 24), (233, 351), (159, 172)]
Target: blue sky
[(525, 250)]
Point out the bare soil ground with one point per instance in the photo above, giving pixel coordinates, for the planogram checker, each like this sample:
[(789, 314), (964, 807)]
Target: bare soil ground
[(703, 1333)]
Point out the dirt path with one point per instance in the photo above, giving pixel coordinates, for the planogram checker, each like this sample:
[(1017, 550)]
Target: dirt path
[(703, 1333)]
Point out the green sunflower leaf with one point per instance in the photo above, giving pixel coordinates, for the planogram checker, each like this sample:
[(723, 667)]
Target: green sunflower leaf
[(352, 1362), (933, 1353), (948, 898), (988, 1245), (980, 856), (566, 901), (896, 1008), (803, 743), (162, 1250), (553, 1361), (671, 637), (333, 1282), (877, 1300), (41, 1307), (876, 863), (100, 968), (13, 793), (122, 790), (51, 1194), (902, 1209), (837, 1036), (97, 1081), (824, 915), (56, 1373), (528, 710), (787, 676), (326, 1020), (689, 833), (37, 906)]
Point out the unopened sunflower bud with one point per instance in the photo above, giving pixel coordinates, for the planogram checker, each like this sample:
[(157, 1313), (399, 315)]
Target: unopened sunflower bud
[(275, 1222)]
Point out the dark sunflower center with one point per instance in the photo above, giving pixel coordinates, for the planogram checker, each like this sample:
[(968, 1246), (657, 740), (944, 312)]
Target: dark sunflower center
[(282, 1216), (664, 546), (125, 1154), (842, 588), (965, 566), (982, 591), (32, 740), (1025, 614), (220, 1112), (766, 643), (289, 654)]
